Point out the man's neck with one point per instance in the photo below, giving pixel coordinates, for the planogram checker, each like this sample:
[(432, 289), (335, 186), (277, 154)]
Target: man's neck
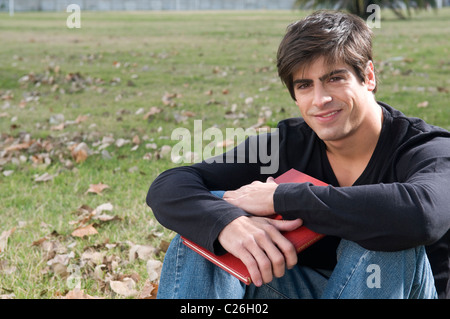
[(361, 142), (349, 157)]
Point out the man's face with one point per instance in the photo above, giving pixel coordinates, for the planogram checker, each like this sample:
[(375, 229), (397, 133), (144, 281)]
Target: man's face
[(332, 99)]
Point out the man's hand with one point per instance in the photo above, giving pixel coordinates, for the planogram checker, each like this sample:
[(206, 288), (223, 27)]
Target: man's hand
[(255, 198), (257, 241)]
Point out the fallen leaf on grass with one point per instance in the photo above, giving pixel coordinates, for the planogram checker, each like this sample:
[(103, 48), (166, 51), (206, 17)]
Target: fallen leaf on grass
[(106, 218), (44, 177), (105, 206), (18, 147), (154, 269), (78, 293), (86, 214), (84, 231), (97, 188), (143, 252), (4, 238), (423, 104), (136, 140), (167, 99), (148, 291), (8, 173), (6, 269), (50, 248), (94, 257), (81, 119), (79, 152), (58, 127), (153, 110), (126, 287), (62, 259)]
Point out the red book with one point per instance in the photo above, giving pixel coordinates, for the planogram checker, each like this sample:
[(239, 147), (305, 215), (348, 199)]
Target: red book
[(301, 237)]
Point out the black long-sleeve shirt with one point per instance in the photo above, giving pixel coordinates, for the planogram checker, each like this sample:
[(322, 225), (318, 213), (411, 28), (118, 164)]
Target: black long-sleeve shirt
[(400, 201)]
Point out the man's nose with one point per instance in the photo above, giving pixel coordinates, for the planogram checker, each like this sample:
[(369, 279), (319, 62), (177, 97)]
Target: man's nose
[(321, 96)]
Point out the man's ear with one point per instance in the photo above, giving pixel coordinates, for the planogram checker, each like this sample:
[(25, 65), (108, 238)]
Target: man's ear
[(371, 81)]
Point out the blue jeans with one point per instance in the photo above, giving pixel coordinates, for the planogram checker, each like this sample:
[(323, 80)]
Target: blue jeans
[(359, 274)]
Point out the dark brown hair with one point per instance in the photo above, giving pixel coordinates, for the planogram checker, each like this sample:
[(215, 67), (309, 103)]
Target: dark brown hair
[(337, 36)]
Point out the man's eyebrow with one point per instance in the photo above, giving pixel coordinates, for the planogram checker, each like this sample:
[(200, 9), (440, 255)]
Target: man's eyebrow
[(334, 72), (298, 81), (323, 77)]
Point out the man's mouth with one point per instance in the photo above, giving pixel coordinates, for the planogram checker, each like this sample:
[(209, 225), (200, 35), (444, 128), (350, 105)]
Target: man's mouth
[(328, 114)]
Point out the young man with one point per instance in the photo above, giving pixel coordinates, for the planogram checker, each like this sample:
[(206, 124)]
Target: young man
[(387, 203)]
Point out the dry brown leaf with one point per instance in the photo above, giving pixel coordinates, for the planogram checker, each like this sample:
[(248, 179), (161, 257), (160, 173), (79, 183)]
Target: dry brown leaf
[(79, 152), (167, 99), (153, 110), (102, 207), (45, 177), (149, 290), (4, 238), (58, 127), (6, 269), (188, 114), (39, 241), (95, 257), (154, 269), (97, 188), (78, 293), (107, 218), (84, 231), (84, 219), (19, 146), (81, 118), (423, 104), (136, 140), (126, 287), (62, 259), (80, 156), (143, 252)]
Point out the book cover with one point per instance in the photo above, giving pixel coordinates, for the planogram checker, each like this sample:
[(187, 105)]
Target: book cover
[(301, 237)]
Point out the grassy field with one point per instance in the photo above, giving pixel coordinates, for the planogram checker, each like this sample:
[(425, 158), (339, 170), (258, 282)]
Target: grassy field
[(121, 84)]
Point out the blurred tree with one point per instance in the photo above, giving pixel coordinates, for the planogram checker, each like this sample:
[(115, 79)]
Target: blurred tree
[(359, 7)]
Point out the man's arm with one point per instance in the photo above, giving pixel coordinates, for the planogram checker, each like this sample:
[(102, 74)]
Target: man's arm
[(181, 200), (388, 217)]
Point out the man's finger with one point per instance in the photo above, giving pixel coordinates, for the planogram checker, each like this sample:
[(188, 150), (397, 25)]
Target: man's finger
[(270, 179), (283, 246), (252, 266), (285, 225)]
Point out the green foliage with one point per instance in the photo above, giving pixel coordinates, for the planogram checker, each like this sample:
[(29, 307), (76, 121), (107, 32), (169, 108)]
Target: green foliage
[(218, 67), (359, 7)]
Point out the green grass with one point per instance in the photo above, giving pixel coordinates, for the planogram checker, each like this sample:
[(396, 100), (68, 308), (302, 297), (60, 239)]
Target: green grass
[(184, 54)]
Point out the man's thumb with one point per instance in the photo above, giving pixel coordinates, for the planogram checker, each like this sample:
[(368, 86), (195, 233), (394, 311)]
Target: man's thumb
[(286, 225)]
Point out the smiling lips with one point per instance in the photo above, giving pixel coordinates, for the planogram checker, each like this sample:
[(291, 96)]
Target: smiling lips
[(326, 117)]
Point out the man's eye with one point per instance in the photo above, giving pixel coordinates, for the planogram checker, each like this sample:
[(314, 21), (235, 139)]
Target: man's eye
[(335, 79), (302, 86)]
